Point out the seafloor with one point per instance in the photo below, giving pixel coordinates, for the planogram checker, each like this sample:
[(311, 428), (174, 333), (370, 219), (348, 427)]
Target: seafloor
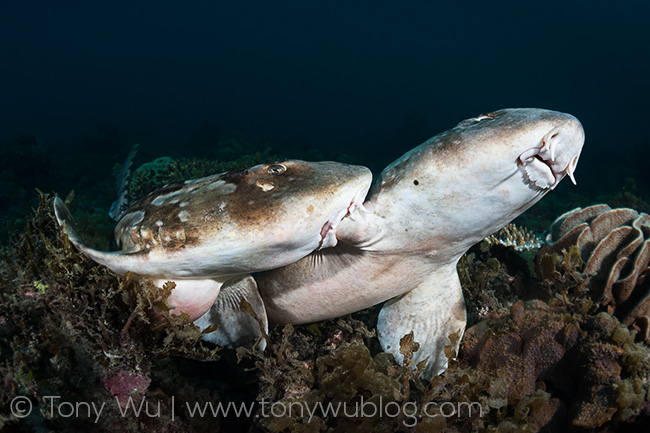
[(557, 337)]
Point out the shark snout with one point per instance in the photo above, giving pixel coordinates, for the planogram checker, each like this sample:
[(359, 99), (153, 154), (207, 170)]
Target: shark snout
[(556, 154)]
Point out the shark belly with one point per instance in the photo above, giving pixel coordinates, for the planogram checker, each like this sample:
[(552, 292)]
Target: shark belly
[(296, 294)]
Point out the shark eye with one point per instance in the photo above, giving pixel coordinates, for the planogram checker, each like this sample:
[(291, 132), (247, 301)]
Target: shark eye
[(276, 169)]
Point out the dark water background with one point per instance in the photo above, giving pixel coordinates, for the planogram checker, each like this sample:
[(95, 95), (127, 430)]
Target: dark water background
[(81, 81)]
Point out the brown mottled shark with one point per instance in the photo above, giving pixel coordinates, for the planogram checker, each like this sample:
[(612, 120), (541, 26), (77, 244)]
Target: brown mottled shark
[(207, 235), (422, 214)]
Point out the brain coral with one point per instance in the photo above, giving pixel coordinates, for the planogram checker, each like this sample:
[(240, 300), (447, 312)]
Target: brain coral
[(615, 247)]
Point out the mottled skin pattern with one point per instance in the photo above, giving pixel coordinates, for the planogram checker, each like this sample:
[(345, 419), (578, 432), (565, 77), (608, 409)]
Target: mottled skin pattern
[(234, 222), (425, 210), (201, 232)]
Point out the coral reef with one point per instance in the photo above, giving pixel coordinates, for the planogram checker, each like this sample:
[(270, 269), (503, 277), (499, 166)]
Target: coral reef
[(516, 237), (590, 368), (152, 175), (516, 373), (615, 247), (326, 378), (529, 366), (486, 288), (539, 348), (125, 386), (494, 276), (70, 329)]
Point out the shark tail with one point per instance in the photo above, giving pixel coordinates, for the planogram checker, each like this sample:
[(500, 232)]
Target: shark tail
[(123, 200), (65, 220), (112, 260)]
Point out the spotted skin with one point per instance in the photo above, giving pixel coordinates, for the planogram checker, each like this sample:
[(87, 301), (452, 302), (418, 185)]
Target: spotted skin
[(230, 224)]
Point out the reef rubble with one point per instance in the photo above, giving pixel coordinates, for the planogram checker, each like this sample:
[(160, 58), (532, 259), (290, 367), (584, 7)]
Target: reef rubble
[(540, 355)]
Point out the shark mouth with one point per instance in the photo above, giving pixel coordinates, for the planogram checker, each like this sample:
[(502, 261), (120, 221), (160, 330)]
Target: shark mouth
[(546, 165), (328, 231)]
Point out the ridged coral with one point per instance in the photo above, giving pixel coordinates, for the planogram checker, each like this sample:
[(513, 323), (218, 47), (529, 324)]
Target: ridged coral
[(516, 237), (615, 247)]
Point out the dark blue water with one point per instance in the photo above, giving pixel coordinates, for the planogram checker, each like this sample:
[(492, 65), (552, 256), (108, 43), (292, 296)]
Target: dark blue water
[(366, 79)]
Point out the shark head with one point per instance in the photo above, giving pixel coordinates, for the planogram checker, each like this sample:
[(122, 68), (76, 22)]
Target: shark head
[(547, 143), (468, 182)]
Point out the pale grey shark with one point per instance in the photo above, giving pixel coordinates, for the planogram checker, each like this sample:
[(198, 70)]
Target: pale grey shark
[(423, 213)]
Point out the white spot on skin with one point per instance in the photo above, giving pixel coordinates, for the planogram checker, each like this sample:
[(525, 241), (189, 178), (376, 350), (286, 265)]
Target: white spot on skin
[(264, 185), (167, 198), (183, 204), (225, 188), (159, 223), (183, 215)]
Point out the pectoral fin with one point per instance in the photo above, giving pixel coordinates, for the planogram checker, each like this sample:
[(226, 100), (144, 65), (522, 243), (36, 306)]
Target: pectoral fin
[(433, 311), (240, 314)]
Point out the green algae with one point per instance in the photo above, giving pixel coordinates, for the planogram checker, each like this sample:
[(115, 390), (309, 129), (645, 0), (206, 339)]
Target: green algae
[(67, 326), (486, 286)]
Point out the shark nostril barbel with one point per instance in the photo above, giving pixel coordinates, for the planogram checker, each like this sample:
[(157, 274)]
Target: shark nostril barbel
[(549, 145)]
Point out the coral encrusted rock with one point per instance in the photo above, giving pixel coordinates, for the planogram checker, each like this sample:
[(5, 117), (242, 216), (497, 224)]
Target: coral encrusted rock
[(589, 370), (615, 247)]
